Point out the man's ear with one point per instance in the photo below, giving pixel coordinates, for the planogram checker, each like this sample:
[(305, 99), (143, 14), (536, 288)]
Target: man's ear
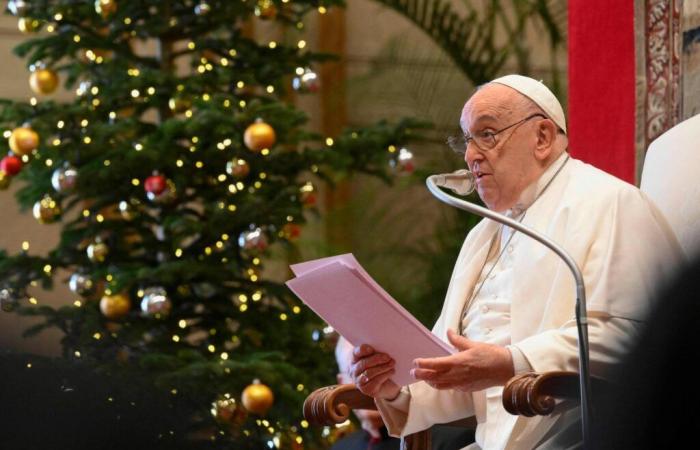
[(546, 134)]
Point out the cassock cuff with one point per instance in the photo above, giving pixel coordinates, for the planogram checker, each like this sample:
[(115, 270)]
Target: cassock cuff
[(520, 364), (395, 412)]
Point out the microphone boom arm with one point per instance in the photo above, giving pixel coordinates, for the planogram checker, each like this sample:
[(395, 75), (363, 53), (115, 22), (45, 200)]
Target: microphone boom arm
[(581, 315)]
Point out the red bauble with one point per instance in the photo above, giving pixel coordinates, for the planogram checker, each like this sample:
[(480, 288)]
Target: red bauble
[(155, 184), (309, 199), (11, 165)]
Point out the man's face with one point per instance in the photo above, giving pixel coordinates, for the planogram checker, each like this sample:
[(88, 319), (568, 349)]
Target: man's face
[(504, 171)]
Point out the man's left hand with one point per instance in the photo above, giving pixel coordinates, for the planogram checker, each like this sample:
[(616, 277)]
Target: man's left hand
[(477, 366)]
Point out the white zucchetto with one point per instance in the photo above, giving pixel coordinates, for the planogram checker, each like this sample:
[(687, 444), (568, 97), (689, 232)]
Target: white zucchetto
[(538, 93)]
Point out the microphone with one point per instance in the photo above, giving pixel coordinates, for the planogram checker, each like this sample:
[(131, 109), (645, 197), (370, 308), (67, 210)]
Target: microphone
[(461, 182)]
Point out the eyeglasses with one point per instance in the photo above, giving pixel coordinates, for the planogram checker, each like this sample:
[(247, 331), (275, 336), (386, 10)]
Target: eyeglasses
[(485, 140)]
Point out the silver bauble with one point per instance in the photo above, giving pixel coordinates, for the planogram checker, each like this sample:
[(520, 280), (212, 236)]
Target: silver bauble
[(156, 302), (83, 88), (204, 290), (403, 163), (202, 9), (81, 284), (253, 240), (308, 81), (18, 8), (64, 178), (8, 299)]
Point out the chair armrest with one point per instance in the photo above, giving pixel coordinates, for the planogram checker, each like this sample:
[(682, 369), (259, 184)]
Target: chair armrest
[(332, 404), (535, 394)]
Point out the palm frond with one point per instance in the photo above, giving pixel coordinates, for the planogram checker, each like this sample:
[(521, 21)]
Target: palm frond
[(470, 38)]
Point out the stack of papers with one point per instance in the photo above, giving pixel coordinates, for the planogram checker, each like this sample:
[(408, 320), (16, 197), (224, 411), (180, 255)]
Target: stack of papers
[(341, 292)]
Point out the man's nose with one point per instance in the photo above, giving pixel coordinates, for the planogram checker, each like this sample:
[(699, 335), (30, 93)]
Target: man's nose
[(472, 155)]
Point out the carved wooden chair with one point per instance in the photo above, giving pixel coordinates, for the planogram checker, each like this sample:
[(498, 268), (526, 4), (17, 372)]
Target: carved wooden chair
[(528, 395), (532, 394)]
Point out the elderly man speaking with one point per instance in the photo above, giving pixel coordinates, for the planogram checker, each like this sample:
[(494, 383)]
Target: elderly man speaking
[(510, 304)]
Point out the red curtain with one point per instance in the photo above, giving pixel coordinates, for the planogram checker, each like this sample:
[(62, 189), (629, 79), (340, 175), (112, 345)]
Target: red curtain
[(602, 85)]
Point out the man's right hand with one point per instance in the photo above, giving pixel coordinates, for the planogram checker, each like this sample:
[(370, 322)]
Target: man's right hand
[(371, 371)]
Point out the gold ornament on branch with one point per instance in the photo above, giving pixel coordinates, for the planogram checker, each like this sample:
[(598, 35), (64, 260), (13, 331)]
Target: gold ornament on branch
[(46, 210), (105, 8), (23, 140), (97, 251), (266, 9), (28, 25), (115, 306), (257, 398), (43, 81), (4, 180), (179, 104), (259, 136)]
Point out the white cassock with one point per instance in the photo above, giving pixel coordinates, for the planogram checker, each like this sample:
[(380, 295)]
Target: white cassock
[(624, 248)]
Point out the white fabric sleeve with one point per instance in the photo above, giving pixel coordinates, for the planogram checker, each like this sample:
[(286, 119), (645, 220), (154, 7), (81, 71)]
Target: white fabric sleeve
[(520, 364), (426, 407), (610, 339), (395, 412)]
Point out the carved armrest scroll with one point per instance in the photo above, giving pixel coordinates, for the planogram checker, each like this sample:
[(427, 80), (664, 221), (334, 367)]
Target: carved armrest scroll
[(531, 394), (332, 404)]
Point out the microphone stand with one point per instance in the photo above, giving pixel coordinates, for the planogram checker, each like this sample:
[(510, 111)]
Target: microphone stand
[(581, 316)]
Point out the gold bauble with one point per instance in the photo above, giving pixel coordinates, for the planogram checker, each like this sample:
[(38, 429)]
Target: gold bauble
[(266, 9), (179, 104), (257, 398), (28, 25), (97, 251), (46, 210), (43, 81), (105, 8), (23, 141), (115, 306), (259, 136), (4, 180), (227, 411)]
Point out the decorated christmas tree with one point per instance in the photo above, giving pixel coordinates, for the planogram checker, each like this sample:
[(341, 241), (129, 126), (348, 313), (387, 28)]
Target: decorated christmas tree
[(179, 161)]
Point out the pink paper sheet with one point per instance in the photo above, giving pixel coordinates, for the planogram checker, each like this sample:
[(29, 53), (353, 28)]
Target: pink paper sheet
[(340, 291)]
